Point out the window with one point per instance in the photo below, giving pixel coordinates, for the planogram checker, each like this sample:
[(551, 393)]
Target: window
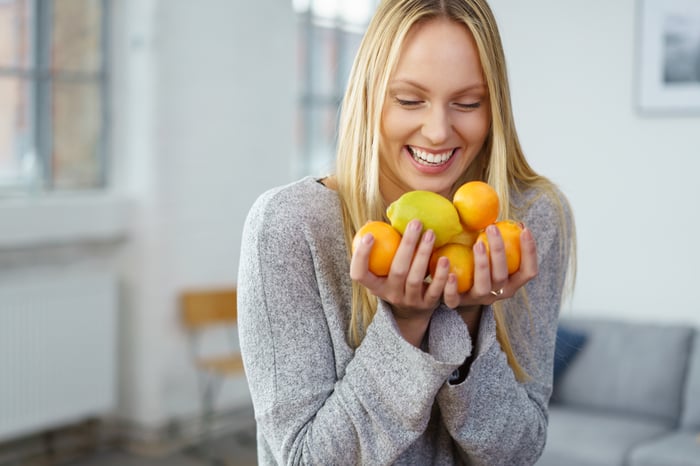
[(53, 105), (330, 32)]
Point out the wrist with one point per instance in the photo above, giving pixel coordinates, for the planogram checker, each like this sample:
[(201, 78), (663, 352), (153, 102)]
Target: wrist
[(413, 328), (471, 315), (468, 309)]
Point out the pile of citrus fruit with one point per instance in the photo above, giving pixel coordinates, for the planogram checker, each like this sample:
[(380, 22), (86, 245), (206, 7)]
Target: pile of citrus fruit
[(458, 224)]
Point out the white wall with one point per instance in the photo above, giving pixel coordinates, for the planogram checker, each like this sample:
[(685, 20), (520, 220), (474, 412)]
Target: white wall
[(631, 179), (203, 122)]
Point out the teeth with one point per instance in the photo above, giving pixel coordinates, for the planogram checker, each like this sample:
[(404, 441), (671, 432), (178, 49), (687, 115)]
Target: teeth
[(428, 158)]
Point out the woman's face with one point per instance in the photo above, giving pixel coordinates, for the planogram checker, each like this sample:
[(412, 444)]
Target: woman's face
[(436, 115)]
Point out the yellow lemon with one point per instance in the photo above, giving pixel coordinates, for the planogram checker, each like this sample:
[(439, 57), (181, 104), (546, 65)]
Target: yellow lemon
[(435, 212)]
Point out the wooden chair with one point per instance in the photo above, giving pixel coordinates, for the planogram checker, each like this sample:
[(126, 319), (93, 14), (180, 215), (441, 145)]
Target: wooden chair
[(202, 311)]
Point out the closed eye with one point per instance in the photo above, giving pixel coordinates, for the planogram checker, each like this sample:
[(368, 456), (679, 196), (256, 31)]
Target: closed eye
[(408, 103), (472, 106)]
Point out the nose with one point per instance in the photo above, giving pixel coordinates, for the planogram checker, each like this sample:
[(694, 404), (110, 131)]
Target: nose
[(436, 125)]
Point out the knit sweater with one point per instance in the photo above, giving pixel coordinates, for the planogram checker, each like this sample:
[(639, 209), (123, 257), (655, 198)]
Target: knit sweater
[(319, 401)]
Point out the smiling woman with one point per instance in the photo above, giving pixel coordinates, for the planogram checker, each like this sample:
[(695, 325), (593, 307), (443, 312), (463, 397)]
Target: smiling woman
[(349, 366)]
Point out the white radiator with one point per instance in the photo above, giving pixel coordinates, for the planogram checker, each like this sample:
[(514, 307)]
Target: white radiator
[(57, 349)]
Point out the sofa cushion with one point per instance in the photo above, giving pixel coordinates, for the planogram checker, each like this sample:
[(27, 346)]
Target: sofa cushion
[(627, 367), (569, 343), (680, 448), (691, 405), (583, 437)]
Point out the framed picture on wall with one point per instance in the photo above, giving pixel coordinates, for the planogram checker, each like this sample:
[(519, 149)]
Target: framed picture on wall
[(669, 56)]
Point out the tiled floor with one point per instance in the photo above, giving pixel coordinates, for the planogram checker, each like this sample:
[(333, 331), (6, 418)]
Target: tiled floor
[(235, 448), (232, 450)]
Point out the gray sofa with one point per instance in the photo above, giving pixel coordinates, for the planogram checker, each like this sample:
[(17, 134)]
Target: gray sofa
[(630, 396)]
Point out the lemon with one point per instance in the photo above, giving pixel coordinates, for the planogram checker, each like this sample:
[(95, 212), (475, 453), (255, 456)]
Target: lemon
[(435, 212)]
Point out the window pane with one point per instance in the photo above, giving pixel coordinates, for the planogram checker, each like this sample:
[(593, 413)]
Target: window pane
[(356, 11), (15, 133), (349, 12), (15, 48), (302, 62), (300, 5), (77, 37), (324, 61), (330, 32), (350, 42), (77, 128), (322, 121)]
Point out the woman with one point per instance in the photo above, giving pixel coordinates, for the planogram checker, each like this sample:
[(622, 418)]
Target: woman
[(345, 367)]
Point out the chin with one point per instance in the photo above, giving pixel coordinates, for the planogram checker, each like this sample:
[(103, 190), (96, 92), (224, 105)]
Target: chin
[(441, 186)]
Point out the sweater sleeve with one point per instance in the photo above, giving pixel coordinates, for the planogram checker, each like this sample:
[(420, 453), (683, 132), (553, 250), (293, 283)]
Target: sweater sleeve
[(309, 412), (492, 417)]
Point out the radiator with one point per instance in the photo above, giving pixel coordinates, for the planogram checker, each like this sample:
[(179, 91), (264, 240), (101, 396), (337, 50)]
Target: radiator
[(57, 349)]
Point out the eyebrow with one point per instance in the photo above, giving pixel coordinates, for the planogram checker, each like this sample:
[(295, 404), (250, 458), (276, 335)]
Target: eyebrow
[(471, 87)]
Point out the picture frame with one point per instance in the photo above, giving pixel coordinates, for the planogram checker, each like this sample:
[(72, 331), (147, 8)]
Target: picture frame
[(668, 56)]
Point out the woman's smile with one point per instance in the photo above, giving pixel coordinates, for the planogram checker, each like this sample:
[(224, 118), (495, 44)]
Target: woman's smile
[(431, 159)]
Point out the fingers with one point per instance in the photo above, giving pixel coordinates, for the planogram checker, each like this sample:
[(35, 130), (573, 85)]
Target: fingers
[(498, 262), (441, 281), (451, 296), (404, 276), (405, 285), (490, 265), (415, 282), (528, 259), (491, 279), (359, 264), (482, 271)]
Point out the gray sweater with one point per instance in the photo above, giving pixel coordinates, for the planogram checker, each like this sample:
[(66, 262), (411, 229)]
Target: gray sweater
[(319, 401)]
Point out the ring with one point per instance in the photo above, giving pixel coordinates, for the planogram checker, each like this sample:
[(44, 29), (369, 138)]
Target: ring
[(497, 292)]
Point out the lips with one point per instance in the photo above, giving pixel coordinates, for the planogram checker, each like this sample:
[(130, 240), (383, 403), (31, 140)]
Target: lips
[(432, 159)]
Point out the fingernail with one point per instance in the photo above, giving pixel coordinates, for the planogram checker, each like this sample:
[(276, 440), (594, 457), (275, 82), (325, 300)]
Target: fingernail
[(428, 236), (443, 262), (480, 247), (416, 225), (492, 229), (368, 238)]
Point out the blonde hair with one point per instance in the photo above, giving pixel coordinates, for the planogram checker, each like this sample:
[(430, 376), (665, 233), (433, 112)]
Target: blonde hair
[(501, 162)]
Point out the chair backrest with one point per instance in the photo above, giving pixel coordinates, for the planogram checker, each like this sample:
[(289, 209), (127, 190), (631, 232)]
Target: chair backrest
[(208, 307)]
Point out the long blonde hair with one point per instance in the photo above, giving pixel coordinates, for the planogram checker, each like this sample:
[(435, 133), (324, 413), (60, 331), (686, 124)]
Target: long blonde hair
[(501, 162)]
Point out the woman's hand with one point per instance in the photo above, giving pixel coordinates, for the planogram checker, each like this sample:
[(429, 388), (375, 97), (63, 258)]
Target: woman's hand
[(412, 300), (491, 279)]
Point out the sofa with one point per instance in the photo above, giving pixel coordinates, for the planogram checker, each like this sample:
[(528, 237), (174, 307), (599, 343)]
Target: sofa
[(625, 393)]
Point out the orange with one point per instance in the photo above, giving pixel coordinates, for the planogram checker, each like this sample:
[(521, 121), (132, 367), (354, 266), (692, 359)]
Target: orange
[(386, 242), (510, 231), (477, 205), (461, 263), (466, 237)]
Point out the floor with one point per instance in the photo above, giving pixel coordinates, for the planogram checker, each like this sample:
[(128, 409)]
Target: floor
[(235, 448), (232, 450)]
